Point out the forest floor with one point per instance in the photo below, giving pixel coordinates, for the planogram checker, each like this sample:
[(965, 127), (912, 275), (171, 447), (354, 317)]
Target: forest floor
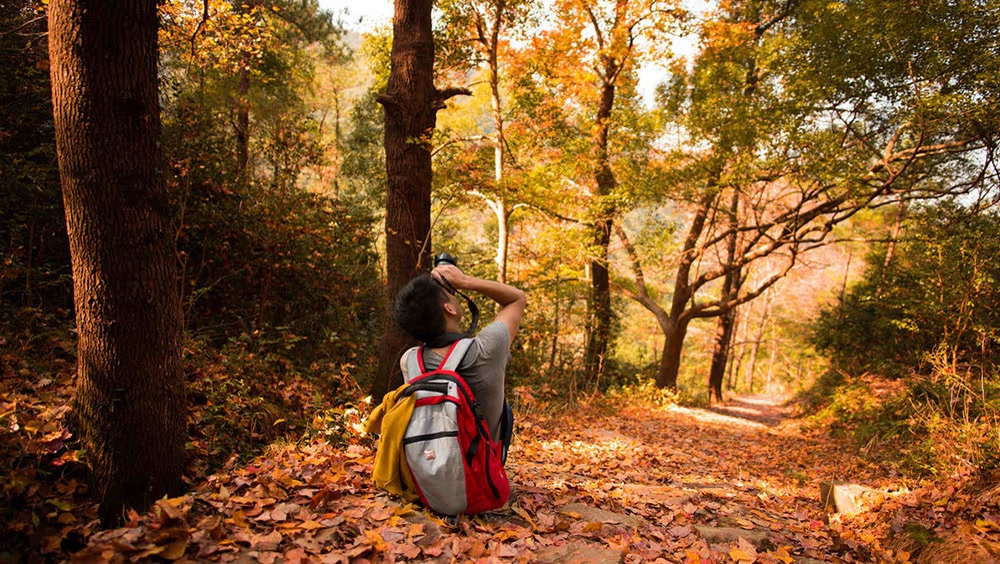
[(737, 483)]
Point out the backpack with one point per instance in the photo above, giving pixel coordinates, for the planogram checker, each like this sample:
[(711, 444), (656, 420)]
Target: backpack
[(451, 456)]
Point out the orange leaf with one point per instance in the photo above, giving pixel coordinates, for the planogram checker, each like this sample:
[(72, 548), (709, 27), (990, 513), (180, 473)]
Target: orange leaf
[(783, 555)]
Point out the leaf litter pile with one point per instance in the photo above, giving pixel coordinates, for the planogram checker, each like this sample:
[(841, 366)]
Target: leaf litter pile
[(630, 484)]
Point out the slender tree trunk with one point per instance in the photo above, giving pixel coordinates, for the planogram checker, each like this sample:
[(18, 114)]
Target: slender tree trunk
[(555, 329), (758, 338), (770, 364), (890, 250), (724, 330), (499, 209), (720, 355), (735, 359), (242, 125), (130, 401), (742, 327), (502, 214), (600, 324), (600, 328)]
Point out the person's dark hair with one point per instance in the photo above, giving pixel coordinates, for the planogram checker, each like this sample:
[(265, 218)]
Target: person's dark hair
[(417, 308)]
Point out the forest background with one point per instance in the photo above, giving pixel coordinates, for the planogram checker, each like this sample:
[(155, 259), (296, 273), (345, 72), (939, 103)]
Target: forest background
[(805, 205)]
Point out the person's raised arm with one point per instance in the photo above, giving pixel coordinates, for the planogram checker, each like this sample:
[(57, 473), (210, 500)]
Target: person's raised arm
[(512, 301)]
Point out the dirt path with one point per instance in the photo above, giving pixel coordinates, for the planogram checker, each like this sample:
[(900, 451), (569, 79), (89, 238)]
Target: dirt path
[(700, 479), (766, 410), (622, 484)]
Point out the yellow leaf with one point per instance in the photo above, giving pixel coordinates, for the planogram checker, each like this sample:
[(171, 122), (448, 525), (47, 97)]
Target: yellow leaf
[(240, 519), (376, 540), (985, 525), (174, 550), (692, 557), (740, 556)]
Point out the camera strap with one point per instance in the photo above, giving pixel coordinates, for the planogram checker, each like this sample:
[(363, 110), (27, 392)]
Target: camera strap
[(449, 338)]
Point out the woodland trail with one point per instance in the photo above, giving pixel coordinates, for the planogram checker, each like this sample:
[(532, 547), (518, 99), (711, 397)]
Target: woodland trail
[(629, 484), (766, 410)]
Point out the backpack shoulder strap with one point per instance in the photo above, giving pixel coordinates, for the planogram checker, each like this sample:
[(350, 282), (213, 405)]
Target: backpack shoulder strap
[(455, 355), (413, 367), (415, 359)]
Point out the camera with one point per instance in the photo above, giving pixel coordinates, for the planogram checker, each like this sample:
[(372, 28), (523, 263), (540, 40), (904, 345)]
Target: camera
[(445, 258)]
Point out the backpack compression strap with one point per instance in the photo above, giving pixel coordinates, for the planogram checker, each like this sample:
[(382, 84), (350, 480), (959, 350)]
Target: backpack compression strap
[(454, 356)]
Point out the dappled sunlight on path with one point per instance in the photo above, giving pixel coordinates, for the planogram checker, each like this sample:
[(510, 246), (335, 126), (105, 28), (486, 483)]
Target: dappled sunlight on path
[(765, 410)]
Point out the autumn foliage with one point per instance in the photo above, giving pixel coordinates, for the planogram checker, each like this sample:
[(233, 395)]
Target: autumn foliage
[(805, 208)]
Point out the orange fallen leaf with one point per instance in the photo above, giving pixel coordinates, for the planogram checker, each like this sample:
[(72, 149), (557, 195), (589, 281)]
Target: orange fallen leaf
[(782, 554), (524, 515), (310, 525), (239, 519)]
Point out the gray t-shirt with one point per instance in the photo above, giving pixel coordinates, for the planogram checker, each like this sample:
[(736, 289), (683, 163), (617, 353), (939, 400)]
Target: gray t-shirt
[(484, 368)]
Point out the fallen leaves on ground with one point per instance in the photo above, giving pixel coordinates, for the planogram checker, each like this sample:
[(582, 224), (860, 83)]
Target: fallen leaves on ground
[(634, 484)]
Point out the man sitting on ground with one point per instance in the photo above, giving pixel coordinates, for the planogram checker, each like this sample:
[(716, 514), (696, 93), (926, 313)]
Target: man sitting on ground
[(428, 309)]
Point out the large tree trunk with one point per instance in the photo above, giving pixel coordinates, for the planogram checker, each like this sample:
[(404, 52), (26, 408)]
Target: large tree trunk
[(675, 331), (130, 389), (411, 103)]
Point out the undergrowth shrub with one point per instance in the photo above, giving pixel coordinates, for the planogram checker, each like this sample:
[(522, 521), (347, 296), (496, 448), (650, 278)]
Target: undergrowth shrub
[(923, 328), (290, 273), (241, 400), (645, 392), (920, 425)]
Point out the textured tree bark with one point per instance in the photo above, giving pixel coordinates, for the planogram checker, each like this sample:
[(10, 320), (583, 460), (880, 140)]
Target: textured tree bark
[(670, 361), (130, 401), (411, 103)]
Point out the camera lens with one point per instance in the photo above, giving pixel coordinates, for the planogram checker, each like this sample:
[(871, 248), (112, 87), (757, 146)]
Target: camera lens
[(445, 258)]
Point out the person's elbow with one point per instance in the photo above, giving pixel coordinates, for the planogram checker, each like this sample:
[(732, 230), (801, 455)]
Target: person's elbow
[(522, 297)]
